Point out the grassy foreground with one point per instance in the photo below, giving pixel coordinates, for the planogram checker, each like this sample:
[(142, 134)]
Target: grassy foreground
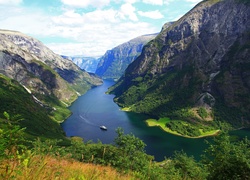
[(162, 124), (125, 159), (48, 167)]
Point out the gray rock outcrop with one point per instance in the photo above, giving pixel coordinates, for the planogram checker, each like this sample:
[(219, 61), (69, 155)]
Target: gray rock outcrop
[(114, 62), (43, 72), (204, 53)]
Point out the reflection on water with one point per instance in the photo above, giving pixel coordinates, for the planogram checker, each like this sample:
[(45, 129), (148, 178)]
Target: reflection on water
[(95, 108)]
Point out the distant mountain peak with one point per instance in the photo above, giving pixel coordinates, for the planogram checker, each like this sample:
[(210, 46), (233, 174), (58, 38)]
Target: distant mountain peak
[(114, 62), (89, 64)]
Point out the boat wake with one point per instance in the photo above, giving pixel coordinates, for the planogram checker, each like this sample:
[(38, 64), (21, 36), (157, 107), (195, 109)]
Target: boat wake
[(87, 121)]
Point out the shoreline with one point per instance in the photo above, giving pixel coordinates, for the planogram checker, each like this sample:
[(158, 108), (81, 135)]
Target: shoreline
[(167, 130)]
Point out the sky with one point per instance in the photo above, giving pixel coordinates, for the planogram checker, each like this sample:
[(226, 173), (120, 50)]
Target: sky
[(89, 27)]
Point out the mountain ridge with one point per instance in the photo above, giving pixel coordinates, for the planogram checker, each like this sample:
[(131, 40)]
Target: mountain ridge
[(51, 83), (200, 60), (114, 62), (89, 64), (35, 58)]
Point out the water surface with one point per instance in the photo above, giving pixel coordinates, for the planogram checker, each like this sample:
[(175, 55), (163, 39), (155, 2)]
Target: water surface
[(95, 108)]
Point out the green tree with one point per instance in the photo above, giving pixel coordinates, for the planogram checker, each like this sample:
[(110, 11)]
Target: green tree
[(11, 136), (131, 152), (226, 159), (184, 167), (128, 142), (12, 147), (202, 112)]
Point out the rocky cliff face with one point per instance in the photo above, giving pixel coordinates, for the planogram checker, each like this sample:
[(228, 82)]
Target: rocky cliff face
[(201, 60), (114, 62), (44, 73)]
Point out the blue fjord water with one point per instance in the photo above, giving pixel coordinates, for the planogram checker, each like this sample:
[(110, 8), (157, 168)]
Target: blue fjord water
[(95, 108)]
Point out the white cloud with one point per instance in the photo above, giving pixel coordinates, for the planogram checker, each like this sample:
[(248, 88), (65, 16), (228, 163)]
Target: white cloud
[(96, 31), (10, 2), (153, 2), (72, 49), (151, 14), (69, 18), (129, 10), (89, 34), (193, 2), (103, 16), (131, 1), (72, 19), (86, 3), (95, 41), (24, 20), (91, 31)]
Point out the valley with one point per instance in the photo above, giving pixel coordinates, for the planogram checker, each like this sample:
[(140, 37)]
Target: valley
[(95, 108), (175, 103)]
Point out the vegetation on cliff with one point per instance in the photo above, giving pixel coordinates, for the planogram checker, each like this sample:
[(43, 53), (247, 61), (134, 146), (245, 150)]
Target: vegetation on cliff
[(196, 70), (54, 82), (38, 119)]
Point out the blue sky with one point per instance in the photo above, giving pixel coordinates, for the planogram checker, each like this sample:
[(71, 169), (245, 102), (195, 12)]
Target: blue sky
[(89, 27)]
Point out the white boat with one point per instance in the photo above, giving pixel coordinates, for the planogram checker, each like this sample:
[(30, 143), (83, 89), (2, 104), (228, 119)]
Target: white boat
[(103, 127)]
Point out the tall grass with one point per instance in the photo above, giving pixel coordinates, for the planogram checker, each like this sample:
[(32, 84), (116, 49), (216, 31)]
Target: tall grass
[(39, 167)]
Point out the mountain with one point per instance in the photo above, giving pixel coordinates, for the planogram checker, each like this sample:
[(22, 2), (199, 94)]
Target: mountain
[(197, 69), (89, 64), (20, 104), (50, 81), (24, 58), (114, 62)]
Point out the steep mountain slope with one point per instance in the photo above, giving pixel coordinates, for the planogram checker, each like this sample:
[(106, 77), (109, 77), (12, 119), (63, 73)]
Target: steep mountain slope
[(16, 100), (114, 62), (55, 82), (196, 69), (89, 64)]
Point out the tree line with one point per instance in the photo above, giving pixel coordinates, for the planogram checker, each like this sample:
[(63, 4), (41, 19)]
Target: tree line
[(225, 158)]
